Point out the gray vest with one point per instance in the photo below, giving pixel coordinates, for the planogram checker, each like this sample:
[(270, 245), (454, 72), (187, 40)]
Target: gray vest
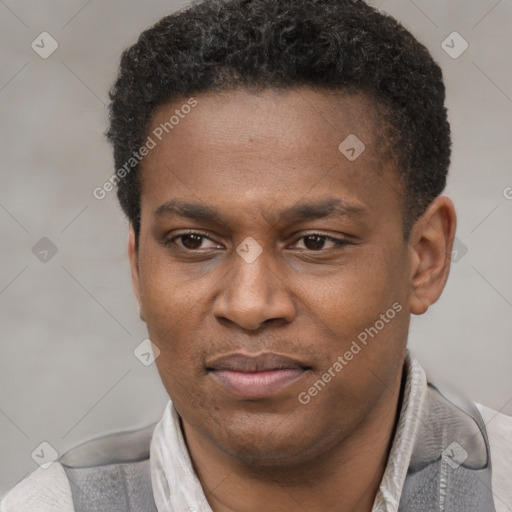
[(450, 468)]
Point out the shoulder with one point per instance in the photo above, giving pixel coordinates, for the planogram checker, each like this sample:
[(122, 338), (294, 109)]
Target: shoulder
[(499, 431), (44, 490), (93, 462)]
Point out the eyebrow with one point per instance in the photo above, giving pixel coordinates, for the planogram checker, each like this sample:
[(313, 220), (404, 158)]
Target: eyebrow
[(308, 210)]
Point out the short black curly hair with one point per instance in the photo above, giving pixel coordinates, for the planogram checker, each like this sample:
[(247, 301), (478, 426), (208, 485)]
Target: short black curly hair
[(340, 45)]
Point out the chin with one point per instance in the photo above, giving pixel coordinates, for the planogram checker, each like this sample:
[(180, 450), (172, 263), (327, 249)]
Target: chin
[(265, 444), (262, 455)]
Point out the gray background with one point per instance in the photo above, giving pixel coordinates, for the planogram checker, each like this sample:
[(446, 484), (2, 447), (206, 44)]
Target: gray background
[(70, 324)]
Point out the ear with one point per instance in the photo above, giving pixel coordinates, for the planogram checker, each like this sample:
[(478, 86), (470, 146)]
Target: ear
[(133, 255), (431, 242)]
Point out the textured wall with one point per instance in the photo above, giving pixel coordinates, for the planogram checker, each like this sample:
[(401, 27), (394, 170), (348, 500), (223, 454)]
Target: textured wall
[(69, 324)]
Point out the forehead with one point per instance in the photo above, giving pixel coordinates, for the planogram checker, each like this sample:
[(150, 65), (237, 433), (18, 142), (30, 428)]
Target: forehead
[(267, 148), (316, 118)]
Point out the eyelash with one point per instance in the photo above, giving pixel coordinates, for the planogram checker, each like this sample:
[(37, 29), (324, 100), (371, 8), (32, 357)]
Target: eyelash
[(337, 241)]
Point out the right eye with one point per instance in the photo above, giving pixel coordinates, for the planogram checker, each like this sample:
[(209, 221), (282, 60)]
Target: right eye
[(190, 241)]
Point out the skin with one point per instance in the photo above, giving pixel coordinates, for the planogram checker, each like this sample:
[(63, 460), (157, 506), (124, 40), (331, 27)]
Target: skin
[(252, 156)]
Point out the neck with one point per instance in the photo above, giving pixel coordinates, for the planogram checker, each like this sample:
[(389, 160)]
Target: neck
[(345, 477)]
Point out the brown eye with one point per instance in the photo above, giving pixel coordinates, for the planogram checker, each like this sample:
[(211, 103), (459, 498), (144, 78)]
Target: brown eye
[(191, 241), (317, 241), (314, 242)]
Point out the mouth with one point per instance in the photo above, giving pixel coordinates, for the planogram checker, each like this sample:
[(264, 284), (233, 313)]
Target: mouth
[(254, 377)]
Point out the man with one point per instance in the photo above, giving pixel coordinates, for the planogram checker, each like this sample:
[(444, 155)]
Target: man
[(281, 165)]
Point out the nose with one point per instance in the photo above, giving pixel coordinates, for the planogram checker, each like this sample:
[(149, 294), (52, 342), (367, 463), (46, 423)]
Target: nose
[(253, 293)]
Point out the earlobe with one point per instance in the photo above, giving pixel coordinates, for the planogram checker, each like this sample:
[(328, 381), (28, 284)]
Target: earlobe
[(134, 265), (431, 244)]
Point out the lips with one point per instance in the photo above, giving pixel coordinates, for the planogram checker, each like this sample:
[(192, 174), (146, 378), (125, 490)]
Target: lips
[(254, 377)]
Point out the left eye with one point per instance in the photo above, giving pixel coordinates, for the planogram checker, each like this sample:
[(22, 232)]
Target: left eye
[(316, 242)]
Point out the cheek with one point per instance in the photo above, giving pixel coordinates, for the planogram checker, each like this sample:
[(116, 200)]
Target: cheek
[(362, 318), (355, 295), (169, 297)]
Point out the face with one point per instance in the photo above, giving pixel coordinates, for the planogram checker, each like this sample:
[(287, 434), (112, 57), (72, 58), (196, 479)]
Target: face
[(272, 271)]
